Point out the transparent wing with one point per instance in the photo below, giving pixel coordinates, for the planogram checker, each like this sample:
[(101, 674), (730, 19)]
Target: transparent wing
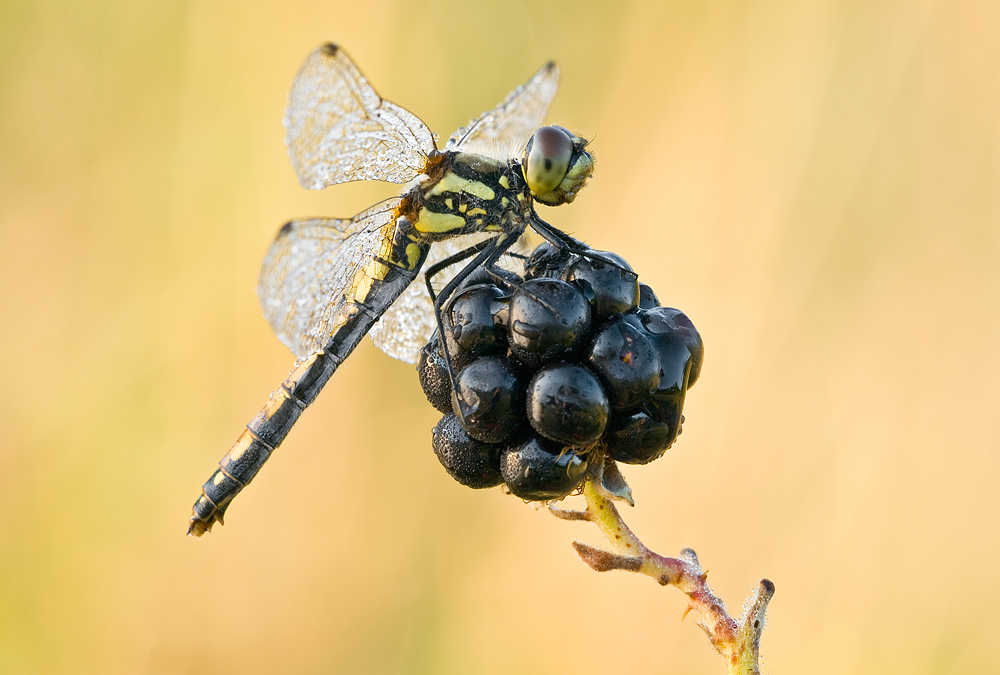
[(338, 129), (311, 268), (507, 128), (409, 323)]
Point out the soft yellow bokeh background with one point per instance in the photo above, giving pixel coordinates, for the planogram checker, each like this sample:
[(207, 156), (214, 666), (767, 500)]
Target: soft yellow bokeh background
[(814, 183)]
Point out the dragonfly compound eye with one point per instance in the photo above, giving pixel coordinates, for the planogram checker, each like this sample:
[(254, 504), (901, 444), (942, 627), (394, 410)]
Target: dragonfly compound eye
[(546, 159)]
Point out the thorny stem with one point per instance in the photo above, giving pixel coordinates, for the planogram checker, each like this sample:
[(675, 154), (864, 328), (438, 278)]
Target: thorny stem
[(737, 640)]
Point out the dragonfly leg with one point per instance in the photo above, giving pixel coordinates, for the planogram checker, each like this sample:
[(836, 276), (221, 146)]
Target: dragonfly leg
[(487, 253), (441, 265), (565, 242)]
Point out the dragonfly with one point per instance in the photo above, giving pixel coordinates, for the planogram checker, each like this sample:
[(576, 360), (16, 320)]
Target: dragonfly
[(327, 282)]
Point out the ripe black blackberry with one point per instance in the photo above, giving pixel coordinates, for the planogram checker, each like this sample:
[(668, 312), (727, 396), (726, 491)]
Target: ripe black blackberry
[(553, 373)]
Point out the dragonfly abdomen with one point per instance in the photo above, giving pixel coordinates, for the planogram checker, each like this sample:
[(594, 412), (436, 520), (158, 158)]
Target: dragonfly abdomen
[(384, 282)]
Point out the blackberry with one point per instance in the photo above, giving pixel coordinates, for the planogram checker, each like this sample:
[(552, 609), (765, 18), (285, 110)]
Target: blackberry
[(471, 329), (626, 361), (472, 463), (574, 365), (547, 261), (487, 398), (539, 469), (548, 319), (433, 373), (567, 404), (647, 298), (670, 326), (638, 438), (607, 281)]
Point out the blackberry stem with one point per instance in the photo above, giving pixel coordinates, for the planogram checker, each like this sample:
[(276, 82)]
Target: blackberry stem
[(737, 640)]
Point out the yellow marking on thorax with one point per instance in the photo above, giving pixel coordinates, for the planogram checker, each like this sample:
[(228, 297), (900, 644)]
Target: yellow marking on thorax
[(452, 182), (504, 182), (429, 221)]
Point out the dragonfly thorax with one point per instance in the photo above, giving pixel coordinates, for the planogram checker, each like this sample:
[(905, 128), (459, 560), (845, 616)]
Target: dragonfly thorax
[(465, 193)]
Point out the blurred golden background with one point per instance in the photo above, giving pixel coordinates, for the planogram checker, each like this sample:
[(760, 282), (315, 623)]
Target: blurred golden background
[(815, 184)]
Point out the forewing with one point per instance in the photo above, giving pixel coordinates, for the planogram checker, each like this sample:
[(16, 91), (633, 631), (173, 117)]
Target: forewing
[(311, 269), (509, 126), (338, 129)]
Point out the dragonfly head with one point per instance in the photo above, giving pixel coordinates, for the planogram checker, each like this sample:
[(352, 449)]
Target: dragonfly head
[(556, 165)]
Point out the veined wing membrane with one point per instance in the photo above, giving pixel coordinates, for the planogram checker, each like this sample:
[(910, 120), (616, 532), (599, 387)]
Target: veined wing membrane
[(311, 270), (338, 129), (505, 130)]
